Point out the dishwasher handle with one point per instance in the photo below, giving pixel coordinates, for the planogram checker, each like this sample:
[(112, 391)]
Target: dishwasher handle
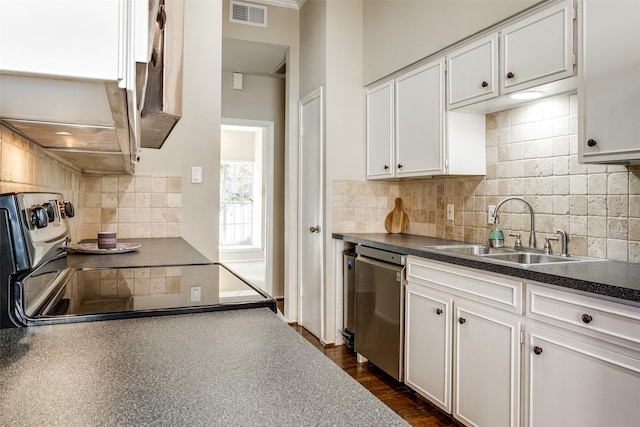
[(381, 255)]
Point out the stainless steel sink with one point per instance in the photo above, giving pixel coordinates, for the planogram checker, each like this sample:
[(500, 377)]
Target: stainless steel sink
[(470, 249), (507, 256), (531, 258)]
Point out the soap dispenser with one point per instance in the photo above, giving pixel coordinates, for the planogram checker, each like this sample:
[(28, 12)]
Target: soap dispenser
[(496, 236)]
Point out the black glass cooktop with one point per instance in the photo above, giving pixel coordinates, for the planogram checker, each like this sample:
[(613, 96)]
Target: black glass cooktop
[(54, 295)]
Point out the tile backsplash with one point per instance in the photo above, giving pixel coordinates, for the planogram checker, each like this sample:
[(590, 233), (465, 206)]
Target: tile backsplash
[(532, 153), (134, 206), (24, 166)]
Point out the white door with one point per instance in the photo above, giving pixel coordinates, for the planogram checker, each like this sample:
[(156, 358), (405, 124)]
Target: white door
[(310, 215)]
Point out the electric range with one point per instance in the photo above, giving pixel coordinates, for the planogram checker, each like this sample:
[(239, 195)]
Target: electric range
[(38, 287)]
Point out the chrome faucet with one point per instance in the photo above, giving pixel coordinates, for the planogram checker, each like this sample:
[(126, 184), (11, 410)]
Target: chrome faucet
[(532, 235)]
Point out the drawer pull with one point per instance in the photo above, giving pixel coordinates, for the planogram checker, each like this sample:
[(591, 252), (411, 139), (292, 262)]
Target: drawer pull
[(462, 320), (586, 318), (537, 350), (438, 311)]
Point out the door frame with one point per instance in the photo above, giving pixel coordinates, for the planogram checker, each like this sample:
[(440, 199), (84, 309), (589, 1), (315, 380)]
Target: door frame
[(268, 161), (317, 93)]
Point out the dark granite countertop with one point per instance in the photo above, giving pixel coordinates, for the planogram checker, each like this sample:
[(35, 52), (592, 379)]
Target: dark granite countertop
[(233, 368), (608, 279), (152, 252)]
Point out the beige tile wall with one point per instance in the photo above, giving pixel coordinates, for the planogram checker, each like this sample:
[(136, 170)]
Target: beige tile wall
[(532, 152), (127, 282), (133, 206), (25, 166)]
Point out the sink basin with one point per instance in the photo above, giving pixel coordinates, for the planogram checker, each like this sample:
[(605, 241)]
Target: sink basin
[(470, 249), (507, 256), (531, 258)]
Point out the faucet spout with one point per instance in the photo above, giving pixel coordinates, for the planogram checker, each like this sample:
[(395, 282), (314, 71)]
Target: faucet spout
[(532, 234)]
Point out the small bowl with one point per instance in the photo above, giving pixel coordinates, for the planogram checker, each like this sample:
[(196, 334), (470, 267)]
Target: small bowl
[(107, 240)]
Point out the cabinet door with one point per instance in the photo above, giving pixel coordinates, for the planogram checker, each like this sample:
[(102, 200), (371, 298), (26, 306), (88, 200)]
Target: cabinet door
[(472, 72), (380, 131), (487, 367), (428, 344), (609, 94), (70, 39), (538, 49), (574, 384), (420, 121)]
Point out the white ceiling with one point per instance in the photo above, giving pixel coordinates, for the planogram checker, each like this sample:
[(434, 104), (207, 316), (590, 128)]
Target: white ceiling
[(247, 57), (252, 57)]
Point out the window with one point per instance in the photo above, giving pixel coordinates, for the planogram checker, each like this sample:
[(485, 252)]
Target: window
[(236, 204)]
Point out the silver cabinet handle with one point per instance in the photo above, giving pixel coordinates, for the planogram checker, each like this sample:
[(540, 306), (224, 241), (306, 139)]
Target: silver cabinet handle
[(315, 229)]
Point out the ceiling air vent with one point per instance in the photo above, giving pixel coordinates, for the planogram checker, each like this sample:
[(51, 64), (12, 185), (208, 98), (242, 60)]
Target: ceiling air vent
[(245, 13)]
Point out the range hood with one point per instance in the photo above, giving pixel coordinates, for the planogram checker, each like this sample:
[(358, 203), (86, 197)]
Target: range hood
[(89, 124), (162, 100)]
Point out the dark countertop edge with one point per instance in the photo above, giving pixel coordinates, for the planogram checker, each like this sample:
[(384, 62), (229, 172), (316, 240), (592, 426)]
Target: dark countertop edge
[(589, 286)]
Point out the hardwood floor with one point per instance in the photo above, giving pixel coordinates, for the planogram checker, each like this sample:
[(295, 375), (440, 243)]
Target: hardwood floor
[(411, 407)]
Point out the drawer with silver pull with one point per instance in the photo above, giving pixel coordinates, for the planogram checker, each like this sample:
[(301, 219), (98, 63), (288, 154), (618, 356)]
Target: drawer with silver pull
[(584, 314)]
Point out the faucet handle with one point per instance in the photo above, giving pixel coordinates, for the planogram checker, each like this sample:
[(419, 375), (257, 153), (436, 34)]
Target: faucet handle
[(547, 246), (518, 242), (565, 242)]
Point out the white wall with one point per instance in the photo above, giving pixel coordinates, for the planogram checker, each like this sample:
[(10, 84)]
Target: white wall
[(331, 57), (399, 33), (195, 141)]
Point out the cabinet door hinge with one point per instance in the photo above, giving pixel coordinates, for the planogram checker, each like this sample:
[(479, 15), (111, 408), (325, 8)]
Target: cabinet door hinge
[(573, 59), (521, 337)]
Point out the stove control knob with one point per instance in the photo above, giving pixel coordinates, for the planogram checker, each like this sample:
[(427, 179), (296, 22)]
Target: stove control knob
[(67, 209), (50, 210), (39, 218)]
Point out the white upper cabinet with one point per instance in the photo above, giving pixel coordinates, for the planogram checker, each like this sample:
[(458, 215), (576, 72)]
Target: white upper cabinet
[(380, 149), (419, 114), (66, 39), (472, 72), (537, 49), (609, 94), (409, 134)]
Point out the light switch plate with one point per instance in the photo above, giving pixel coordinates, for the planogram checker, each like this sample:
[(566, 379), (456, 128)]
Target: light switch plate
[(492, 209), (450, 212), (196, 174), (196, 293)]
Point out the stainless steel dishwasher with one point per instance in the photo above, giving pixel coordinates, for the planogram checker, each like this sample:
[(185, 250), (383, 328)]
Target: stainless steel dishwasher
[(380, 283)]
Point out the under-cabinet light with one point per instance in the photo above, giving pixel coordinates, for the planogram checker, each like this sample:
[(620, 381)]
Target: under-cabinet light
[(532, 94)]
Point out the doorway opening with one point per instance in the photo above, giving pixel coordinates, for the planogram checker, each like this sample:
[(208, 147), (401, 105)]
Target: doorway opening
[(246, 200)]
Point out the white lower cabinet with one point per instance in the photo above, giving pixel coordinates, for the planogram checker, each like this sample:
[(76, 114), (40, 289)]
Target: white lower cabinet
[(571, 383), (582, 361), (462, 355), (487, 366), (569, 360), (428, 344)]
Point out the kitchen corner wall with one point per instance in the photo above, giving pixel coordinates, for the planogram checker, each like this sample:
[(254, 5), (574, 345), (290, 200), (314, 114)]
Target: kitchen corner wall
[(25, 166), (532, 152)]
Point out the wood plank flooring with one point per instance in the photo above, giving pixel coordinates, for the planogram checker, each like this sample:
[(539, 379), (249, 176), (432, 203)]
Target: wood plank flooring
[(411, 407)]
